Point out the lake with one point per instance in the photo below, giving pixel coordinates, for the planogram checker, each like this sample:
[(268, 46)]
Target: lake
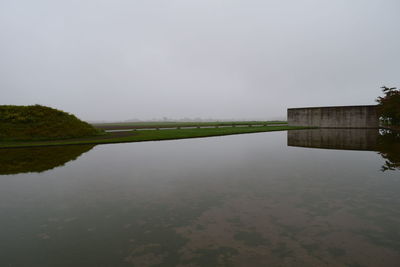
[(298, 198)]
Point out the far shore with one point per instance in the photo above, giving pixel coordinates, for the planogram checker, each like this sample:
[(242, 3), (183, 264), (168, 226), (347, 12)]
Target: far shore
[(155, 135)]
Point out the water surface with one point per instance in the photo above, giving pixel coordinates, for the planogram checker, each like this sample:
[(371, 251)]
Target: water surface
[(243, 200)]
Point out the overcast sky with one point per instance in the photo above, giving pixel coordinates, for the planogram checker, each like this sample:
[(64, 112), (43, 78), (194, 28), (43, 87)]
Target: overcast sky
[(245, 59)]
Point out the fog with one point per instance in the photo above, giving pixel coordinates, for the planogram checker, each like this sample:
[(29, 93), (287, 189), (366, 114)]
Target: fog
[(117, 60)]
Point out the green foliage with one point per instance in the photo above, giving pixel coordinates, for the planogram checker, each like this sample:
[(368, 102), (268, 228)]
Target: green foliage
[(26, 123), (389, 105)]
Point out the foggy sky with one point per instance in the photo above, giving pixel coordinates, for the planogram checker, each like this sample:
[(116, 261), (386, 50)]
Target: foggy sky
[(247, 59)]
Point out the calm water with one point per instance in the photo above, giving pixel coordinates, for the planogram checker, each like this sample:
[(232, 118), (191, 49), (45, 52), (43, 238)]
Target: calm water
[(243, 200)]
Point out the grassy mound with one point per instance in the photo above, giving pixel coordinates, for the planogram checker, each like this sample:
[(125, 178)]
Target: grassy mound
[(27, 123)]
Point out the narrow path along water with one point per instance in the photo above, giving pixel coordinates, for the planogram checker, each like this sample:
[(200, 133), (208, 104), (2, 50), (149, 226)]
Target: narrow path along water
[(187, 127)]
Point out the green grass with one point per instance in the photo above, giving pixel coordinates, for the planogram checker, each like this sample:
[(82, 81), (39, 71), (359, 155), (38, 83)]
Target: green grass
[(152, 135), (28, 123)]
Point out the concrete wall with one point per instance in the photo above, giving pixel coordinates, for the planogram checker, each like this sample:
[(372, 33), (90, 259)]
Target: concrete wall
[(335, 117), (348, 139)]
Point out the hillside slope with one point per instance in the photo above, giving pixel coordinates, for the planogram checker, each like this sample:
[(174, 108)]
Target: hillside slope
[(25, 123)]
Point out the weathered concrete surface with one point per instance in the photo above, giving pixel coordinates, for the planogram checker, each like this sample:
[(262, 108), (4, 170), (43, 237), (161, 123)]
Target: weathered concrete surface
[(348, 139), (335, 117)]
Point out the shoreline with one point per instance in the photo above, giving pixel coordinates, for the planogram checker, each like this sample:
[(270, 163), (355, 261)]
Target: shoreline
[(150, 135)]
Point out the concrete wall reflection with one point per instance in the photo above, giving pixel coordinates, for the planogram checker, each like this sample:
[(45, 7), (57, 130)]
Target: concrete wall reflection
[(349, 139)]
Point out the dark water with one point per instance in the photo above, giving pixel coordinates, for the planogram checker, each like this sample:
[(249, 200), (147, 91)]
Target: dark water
[(244, 200)]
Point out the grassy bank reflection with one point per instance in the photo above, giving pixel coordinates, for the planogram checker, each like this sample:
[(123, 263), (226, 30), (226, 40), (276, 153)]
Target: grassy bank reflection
[(38, 159)]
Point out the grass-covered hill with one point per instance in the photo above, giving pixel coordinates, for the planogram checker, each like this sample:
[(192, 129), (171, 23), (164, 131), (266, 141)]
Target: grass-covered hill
[(26, 123)]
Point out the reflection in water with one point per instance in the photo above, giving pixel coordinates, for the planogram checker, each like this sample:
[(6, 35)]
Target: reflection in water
[(347, 139), (385, 142), (245, 200), (389, 149), (38, 159)]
